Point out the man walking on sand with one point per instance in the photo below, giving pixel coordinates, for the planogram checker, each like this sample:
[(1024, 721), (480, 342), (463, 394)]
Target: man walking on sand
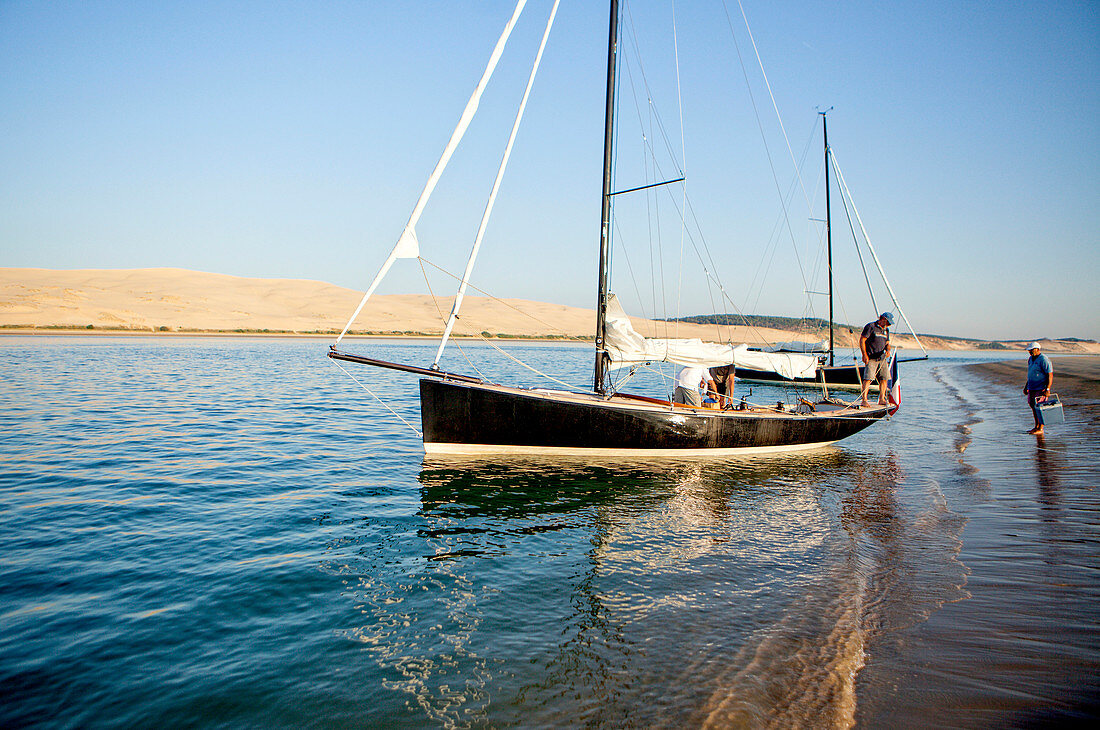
[(1040, 379), (874, 345)]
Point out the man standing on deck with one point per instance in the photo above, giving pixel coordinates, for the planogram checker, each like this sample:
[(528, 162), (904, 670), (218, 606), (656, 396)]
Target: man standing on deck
[(874, 345), (687, 386), (1040, 379)]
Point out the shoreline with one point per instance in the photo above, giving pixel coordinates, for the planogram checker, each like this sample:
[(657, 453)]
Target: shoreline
[(100, 332), (1075, 376), (43, 332)]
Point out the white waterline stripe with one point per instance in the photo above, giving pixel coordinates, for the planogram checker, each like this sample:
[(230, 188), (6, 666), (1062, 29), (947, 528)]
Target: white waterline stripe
[(474, 449)]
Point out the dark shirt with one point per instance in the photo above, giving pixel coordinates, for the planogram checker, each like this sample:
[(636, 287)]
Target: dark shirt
[(877, 339), (720, 375)]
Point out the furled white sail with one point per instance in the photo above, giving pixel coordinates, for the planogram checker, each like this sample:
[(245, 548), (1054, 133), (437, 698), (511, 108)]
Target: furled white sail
[(626, 347)]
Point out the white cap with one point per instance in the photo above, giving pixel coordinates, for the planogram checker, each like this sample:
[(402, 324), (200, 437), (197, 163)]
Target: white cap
[(1033, 346)]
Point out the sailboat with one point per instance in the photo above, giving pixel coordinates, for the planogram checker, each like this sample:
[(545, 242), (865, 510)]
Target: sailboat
[(466, 414), (847, 376)]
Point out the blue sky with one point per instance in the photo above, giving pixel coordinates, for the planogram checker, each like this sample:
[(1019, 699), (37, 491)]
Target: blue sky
[(292, 139)]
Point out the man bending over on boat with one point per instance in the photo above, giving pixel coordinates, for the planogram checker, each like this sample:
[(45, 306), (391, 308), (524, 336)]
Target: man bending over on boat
[(687, 386), (723, 378), (874, 345)]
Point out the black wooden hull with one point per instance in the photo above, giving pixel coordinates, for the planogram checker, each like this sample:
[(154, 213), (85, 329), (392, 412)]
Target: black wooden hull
[(838, 376), (474, 418)]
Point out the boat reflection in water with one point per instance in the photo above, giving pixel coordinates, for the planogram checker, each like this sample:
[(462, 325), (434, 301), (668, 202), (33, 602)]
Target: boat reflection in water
[(711, 592)]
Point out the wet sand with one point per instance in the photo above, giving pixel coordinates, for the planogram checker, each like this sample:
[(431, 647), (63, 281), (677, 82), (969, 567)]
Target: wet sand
[(1074, 377), (1019, 648)]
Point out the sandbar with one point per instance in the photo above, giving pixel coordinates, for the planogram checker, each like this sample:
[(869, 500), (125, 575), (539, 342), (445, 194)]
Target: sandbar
[(1075, 377)]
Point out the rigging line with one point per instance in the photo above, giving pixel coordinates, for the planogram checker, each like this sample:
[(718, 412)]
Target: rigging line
[(494, 345), (427, 283), (778, 116), (817, 237), (625, 250), (521, 363), (683, 146), (651, 213), (647, 143), (442, 318), (774, 239), (649, 217), (874, 256), (485, 339), (763, 137), (820, 261), (768, 255), (709, 256), (496, 187), (617, 385), (634, 279), (384, 404), (649, 92), (710, 274), (844, 313), (683, 156), (710, 271), (407, 246), (656, 219), (859, 253), (498, 300), (658, 370), (679, 281)]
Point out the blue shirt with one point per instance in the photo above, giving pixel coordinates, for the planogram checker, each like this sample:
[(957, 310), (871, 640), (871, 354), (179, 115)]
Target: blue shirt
[(1038, 368)]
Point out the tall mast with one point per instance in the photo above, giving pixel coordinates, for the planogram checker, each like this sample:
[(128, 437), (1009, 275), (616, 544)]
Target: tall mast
[(605, 226), (828, 230)]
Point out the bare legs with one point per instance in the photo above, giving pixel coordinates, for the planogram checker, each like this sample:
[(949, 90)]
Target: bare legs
[(881, 393)]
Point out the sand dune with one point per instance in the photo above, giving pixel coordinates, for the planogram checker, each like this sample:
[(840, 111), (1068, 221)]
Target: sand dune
[(177, 299), (182, 300)]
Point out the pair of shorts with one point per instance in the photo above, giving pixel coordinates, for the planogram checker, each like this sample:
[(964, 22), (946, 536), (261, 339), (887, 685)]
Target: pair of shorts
[(687, 397), (877, 369)]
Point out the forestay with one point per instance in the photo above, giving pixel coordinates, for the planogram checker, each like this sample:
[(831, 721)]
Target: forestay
[(627, 347)]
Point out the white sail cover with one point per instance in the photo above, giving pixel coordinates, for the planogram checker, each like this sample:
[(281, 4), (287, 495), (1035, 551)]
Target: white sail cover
[(626, 347), (797, 346)]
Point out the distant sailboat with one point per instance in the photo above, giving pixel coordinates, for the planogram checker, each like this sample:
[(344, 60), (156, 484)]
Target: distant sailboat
[(463, 414), (831, 375)]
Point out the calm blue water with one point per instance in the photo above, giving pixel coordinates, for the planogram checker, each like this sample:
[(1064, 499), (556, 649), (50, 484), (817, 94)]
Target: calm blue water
[(230, 532)]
